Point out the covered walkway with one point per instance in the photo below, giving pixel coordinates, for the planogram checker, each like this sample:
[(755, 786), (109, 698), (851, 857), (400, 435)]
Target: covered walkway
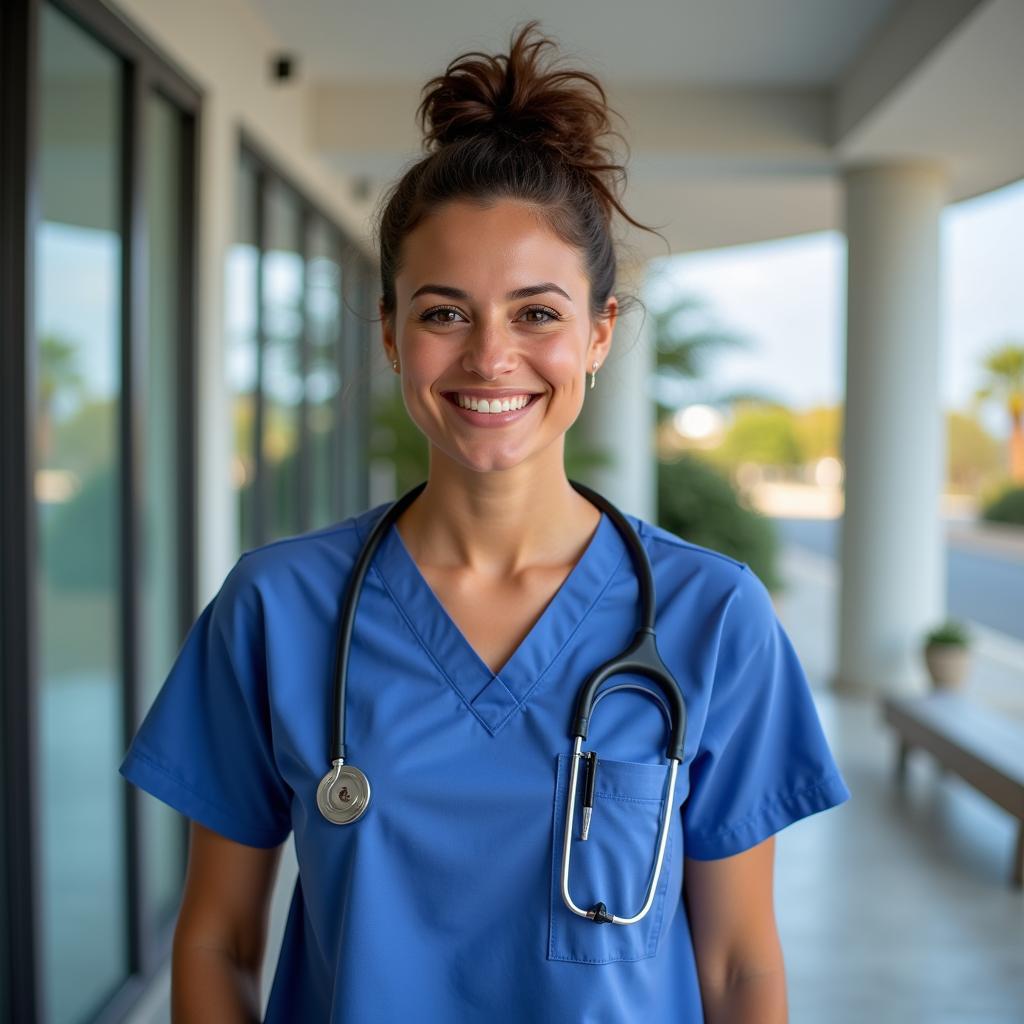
[(899, 912), (209, 171)]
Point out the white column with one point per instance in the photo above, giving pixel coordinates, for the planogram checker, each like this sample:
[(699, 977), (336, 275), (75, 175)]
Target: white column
[(892, 543), (217, 518), (618, 415)]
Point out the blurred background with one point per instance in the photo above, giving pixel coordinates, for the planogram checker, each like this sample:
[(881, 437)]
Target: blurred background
[(825, 380)]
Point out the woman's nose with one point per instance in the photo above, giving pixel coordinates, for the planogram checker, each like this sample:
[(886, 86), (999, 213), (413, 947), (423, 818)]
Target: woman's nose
[(489, 351)]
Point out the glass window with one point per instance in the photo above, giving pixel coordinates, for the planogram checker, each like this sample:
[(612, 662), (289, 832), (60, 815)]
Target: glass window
[(282, 349), (323, 378), (78, 493), (361, 335), (295, 361), (160, 565), (241, 348)]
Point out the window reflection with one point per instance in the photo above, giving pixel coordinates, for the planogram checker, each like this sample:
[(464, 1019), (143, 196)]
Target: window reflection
[(241, 349), (282, 377), (323, 378), (78, 494)]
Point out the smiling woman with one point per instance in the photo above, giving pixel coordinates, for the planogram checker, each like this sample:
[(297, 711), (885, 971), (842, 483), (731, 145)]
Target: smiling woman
[(499, 593), (492, 342)]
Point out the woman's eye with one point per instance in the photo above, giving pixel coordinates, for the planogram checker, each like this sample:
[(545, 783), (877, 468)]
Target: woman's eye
[(428, 317), (447, 314), (550, 314)]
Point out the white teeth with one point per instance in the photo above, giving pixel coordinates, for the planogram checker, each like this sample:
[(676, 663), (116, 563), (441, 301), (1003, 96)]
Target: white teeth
[(493, 405)]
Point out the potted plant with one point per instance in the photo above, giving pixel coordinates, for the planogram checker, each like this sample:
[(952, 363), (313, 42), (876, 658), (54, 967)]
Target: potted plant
[(946, 653)]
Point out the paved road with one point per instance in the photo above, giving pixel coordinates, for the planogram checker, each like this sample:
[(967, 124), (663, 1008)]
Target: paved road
[(987, 587)]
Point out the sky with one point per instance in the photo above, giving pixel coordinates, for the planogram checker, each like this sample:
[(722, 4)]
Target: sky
[(787, 299)]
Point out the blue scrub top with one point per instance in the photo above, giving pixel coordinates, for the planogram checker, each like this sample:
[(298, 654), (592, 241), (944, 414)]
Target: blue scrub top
[(442, 903)]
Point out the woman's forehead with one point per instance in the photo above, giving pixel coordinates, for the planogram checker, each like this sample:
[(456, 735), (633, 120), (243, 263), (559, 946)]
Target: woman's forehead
[(487, 252)]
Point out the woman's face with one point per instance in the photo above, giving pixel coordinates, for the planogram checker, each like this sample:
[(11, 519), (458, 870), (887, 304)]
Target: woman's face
[(490, 305)]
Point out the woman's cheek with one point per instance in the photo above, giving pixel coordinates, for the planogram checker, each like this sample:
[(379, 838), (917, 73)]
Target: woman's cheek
[(561, 367)]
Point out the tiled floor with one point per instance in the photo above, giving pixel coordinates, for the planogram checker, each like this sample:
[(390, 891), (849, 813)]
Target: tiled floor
[(894, 907)]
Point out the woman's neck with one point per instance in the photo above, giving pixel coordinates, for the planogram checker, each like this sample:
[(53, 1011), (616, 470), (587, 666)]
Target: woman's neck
[(498, 523)]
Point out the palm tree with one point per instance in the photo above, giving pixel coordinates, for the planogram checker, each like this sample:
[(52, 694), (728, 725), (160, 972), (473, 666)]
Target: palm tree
[(58, 375), (1005, 384), (686, 339)]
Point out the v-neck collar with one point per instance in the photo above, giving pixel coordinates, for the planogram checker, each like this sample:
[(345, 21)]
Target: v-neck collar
[(493, 698)]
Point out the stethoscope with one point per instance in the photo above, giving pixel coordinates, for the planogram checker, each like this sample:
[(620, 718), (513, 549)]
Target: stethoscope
[(344, 792)]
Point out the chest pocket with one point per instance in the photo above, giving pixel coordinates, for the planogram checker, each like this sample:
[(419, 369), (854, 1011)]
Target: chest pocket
[(613, 865)]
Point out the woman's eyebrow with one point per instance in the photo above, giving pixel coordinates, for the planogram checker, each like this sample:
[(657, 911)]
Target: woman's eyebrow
[(520, 293)]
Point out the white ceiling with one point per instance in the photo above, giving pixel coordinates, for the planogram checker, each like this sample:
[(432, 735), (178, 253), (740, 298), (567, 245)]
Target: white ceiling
[(741, 115), (705, 42)]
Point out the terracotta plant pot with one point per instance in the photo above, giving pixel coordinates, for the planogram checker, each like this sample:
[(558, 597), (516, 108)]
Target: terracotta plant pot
[(947, 665)]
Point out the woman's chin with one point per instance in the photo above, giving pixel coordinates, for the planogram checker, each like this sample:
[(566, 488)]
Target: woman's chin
[(491, 458)]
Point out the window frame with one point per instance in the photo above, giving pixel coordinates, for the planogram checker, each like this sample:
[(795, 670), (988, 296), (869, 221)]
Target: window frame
[(350, 482), (146, 72)]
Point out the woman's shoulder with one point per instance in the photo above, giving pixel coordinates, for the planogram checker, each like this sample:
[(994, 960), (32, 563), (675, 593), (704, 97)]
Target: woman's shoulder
[(670, 552), (670, 545), (731, 580), (329, 550)]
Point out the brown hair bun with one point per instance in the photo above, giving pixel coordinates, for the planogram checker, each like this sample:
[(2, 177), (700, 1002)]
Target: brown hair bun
[(514, 126), (522, 94)]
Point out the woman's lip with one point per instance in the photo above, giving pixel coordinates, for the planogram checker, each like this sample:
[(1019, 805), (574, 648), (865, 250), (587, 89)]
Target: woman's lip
[(490, 419), (489, 393)]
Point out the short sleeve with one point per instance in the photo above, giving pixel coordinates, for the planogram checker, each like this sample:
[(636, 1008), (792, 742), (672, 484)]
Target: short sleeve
[(205, 745), (763, 761)]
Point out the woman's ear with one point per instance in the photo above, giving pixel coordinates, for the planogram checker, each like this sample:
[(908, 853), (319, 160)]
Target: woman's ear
[(387, 333), (602, 332)]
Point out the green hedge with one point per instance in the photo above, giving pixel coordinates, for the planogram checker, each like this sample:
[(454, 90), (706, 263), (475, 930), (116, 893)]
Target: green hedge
[(698, 503), (1008, 507)]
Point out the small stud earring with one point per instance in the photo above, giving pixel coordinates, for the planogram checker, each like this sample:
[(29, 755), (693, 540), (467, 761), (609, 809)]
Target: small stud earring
[(593, 375), (394, 364)]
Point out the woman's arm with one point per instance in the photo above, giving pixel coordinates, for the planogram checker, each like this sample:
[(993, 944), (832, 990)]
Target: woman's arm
[(735, 942), (221, 930)]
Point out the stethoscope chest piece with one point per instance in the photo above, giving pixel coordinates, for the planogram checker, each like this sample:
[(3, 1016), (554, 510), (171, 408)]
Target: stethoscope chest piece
[(343, 794)]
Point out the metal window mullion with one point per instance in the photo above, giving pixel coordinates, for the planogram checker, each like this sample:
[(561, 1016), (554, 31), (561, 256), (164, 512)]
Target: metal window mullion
[(187, 388), (134, 266), (105, 23), (259, 510), (21, 937)]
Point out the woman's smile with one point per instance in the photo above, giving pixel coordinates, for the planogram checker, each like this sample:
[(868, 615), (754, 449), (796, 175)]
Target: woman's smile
[(491, 409)]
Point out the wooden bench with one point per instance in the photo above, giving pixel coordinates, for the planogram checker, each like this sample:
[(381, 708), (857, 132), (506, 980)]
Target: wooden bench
[(982, 746)]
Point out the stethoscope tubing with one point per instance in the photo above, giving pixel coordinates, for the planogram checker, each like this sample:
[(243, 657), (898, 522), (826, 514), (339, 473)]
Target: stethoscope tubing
[(344, 792), (348, 616), (641, 657)]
